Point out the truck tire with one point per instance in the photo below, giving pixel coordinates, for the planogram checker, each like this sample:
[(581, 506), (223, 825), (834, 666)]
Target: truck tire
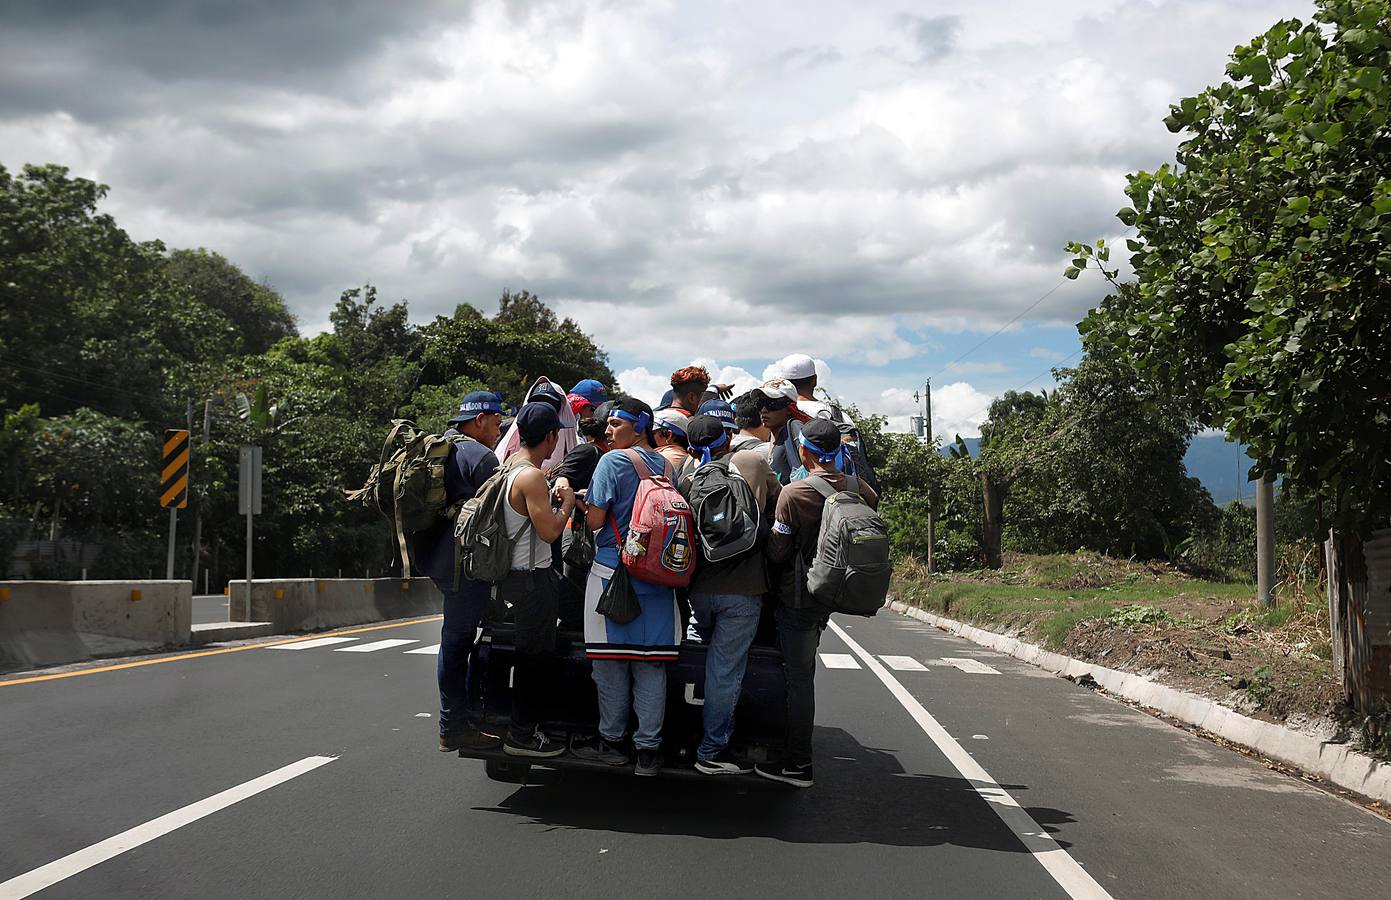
[(506, 772)]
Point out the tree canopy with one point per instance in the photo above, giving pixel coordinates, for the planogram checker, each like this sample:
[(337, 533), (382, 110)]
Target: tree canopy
[(1262, 259)]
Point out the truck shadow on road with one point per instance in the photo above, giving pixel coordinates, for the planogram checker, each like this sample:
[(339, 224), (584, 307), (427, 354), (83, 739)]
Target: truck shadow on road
[(862, 795)]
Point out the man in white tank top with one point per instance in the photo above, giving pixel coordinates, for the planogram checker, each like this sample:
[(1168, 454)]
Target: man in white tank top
[(535, 517)]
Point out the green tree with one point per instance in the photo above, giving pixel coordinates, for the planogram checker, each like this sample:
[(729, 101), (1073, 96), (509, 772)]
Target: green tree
[(255, 316), (1262, 258)]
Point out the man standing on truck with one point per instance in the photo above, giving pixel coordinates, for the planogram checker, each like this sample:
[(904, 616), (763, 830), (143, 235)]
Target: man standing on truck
[(726, 594), (800, 618), (628, 660), (532, 588), (470, 463)]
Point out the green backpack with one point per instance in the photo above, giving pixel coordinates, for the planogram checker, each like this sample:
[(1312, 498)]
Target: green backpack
[(407, 483)]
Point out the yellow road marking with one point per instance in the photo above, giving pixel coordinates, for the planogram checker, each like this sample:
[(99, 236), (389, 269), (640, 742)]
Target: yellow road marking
[(200, 653)]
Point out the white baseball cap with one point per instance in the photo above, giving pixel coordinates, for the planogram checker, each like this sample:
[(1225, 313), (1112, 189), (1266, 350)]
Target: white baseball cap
[(779, 388), (797, 366)]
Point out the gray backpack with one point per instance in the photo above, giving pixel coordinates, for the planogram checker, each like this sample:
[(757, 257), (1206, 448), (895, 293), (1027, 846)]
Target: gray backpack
[(851, 570), (482, 547)]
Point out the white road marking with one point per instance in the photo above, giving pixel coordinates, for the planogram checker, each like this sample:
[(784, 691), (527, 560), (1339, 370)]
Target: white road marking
[(376, 645), (903, 664), (839, 661), (980, 737), (1069, 875), (974, 666), (48, 875), (310, 645), (430, 651)]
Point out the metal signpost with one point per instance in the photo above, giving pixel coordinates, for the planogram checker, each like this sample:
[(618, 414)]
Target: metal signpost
[(173, 486), (249, 503)]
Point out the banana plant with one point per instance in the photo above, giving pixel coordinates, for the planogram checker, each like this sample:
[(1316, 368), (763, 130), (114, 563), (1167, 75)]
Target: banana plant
[(269, 419)]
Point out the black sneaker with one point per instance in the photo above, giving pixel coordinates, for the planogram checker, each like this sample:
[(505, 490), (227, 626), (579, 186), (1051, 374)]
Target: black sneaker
[(537, 746), (797, 776), (597, 749), (649, 762), (723, 763)]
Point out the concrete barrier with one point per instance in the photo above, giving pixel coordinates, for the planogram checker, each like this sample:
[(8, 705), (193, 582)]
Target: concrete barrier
[(45, 623), (313, 604)]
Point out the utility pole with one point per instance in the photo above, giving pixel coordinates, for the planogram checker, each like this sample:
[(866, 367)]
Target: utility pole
[(1265, 541), (931, 498), (198, 510)]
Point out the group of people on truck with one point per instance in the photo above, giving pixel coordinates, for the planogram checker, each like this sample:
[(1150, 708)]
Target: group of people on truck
[(583, 471)]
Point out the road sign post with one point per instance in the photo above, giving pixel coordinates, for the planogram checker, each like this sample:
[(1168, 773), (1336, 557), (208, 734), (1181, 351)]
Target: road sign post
[(249, 504), (173, 486)]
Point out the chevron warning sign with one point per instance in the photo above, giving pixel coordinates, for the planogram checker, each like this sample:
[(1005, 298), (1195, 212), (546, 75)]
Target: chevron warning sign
[(173, 487)]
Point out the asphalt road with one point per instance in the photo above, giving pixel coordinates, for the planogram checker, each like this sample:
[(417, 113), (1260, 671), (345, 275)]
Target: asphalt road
[(1132, 806), (209, 608)]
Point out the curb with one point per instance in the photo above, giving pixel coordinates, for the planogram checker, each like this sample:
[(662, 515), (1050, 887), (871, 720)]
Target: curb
[(1335, 763)]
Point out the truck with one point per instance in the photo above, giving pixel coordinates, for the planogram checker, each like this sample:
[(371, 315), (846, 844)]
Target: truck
[(572, 707)]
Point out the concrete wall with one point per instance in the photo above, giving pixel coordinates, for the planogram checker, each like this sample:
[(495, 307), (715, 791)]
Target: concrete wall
[(309, 604), (50, 622)]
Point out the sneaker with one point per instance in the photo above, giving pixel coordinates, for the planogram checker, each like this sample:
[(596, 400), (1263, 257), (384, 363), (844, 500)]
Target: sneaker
[(649, 762), (536, 746), (467, 740), (797, 776), (598, 749), (723, 763)]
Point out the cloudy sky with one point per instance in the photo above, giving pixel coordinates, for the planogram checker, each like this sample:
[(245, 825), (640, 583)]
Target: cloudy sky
[(881, 185)]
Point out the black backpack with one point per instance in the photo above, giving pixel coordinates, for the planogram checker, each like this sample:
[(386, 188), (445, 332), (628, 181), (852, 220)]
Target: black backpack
[(727, 517)]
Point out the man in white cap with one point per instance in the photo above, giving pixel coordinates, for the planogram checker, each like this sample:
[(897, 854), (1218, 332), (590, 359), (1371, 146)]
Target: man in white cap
[(800, 369)]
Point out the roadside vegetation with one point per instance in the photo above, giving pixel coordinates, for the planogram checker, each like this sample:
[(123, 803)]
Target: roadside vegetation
[(1203, 635)]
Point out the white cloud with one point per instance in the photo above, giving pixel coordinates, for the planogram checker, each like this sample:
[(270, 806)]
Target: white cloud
[(957, 408), (994, 367), (649, 386), (1047, 355)]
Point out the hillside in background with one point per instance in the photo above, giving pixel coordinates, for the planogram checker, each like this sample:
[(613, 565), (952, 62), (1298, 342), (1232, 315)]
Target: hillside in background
[(1219, 464)]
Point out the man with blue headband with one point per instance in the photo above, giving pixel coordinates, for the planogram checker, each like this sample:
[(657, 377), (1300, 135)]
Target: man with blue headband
[(629, 660), (732, 495), (801, 618)]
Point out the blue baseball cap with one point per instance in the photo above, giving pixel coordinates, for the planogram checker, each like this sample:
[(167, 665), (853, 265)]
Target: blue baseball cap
[(590, 390), (665, 402), (536, 420), (476, 404), (548, 392), (718, 409)]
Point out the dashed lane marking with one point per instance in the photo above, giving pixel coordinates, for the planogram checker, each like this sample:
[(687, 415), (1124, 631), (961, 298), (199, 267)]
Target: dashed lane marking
[(311, 644), (903, 664), (199, 654), (1066, 871), (974, 666), (54, 872), (431, 651), (375, 646), (839, 661)]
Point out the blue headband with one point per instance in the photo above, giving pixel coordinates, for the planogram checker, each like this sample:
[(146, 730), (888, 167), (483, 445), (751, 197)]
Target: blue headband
[(640, 421), (825, 456), (705, 454)]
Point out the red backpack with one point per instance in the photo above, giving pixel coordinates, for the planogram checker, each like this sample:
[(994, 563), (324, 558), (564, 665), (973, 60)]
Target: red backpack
[(658, 549)]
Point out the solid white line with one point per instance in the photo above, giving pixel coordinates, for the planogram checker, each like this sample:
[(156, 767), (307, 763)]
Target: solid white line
[(46, 876), (432, 651), (1065, 870), (903, 664), (974, 666), (376, 645), (839, 661), (316, 642)]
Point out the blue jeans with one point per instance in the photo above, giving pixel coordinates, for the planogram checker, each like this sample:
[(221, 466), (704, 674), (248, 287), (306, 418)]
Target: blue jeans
[(644, 684), (726, 623), (463, 610)]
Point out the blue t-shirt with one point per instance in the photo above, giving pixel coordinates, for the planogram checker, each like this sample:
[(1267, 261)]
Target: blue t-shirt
[(614, 487), (469, 466)]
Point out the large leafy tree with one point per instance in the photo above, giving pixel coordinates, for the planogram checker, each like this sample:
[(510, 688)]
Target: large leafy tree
[(1262, 259), (255, 315)]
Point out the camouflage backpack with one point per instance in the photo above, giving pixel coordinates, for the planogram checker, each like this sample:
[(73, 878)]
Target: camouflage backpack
[(407, 483)]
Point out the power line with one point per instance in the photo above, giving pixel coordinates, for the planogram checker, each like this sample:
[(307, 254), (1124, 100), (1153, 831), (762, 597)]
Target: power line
[(1049, 370), (998, 331)]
